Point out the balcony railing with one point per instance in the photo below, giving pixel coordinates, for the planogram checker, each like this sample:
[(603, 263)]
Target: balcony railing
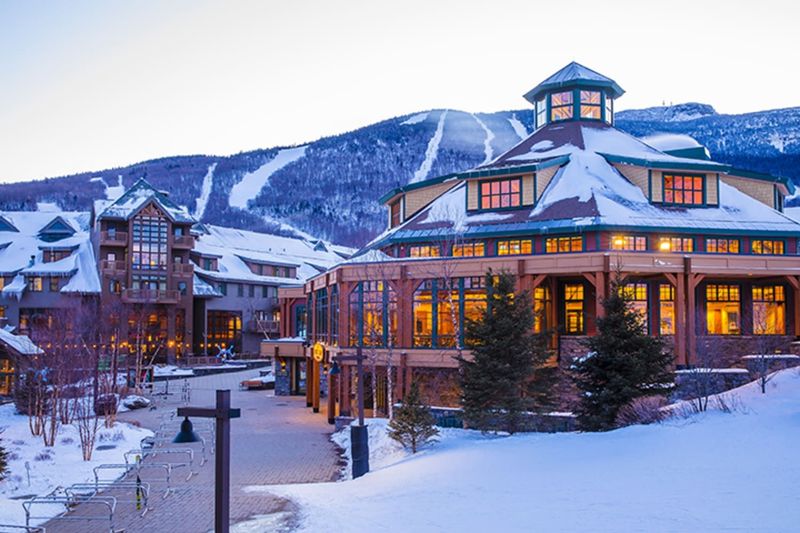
[(108, 266), (150, 296), (265, 326), (182, 269), (183, 241), (113, 238)]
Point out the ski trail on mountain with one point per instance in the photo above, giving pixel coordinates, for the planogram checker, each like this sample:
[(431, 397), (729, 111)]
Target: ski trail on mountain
[(487, 142), (252, 183), (431, 151), (205, 192), (519, 127)]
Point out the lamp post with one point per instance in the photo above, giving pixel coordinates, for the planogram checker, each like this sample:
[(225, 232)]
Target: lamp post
[(359, 438), (222, 469)]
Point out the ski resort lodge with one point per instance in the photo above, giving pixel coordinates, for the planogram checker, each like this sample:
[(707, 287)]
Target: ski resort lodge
[(708, 257)]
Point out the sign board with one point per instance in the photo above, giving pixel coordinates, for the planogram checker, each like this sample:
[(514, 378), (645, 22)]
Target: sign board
[(318, 352)]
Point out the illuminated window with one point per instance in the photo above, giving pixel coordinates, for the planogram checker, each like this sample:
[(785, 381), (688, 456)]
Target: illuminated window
[(676, 244), (149, 242), (422, 305), (35, 284), (55, 284), (321, 315), (541, 113), (769, 310), (223, 329), (501, 193), (666, 309), (470, 249), (573, 309), (541, 309), (514, 247), (557, 245), (561, 106), (462, 299), (590, 104), (722, 246), (373, 314), (768, 247), (423, 251), (636, 295), (629, 243), (723, 309), (683, 190)]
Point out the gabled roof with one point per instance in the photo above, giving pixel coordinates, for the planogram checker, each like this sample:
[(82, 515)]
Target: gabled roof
[(575, 75), (6, 225), (58, 227), (135, 198)]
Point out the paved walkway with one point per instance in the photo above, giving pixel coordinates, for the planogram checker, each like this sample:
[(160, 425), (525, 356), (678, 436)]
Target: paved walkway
[(277, 440)]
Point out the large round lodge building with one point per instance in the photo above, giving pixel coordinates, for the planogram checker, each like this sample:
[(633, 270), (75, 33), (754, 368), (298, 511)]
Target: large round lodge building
[(707, 254)]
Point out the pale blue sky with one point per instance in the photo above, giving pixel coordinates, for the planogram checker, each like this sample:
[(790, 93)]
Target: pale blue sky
[(87, 85)]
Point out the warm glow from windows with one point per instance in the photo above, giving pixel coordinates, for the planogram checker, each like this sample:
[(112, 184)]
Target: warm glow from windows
[(471, 249), (514, 247), (722, 246), (636, 294), (556, 245), (630, 243), (499, 194), (423, 251), (590, 104), (573, 309), (676, 244), (768, 247), (683, 190), (769, 310), (666, 310), (541, 309), (561, 107), (723, 309)]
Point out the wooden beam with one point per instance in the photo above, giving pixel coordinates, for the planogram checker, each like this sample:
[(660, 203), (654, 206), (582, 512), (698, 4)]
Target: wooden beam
[(538, 279)]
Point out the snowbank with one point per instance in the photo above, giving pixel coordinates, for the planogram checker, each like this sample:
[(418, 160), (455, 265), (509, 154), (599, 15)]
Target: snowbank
[(712, 472), (59, 466)]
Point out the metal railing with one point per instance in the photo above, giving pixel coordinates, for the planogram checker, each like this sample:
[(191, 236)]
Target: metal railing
[(150, 296), (114, 237)]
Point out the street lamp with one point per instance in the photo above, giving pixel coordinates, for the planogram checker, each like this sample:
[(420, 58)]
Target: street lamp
[(222, 462), (359, 438)]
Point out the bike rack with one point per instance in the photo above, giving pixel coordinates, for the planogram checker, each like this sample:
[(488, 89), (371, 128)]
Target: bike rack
[(152, 452), (107, 502), (80, 492)]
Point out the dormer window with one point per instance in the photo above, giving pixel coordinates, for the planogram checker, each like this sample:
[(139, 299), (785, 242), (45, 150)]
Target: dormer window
[(590, 104), (609, 109), (684, 189), (498, 194), (561, 106), (541, 112)]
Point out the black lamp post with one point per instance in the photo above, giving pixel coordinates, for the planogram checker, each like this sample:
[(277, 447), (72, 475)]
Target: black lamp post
[(222, 469), (359, 438)]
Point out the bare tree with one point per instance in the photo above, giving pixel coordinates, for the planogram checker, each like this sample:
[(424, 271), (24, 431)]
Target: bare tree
[(765, 363)]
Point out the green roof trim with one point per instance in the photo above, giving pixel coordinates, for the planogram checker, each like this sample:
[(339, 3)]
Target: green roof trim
[(678, 165), (761, 176)]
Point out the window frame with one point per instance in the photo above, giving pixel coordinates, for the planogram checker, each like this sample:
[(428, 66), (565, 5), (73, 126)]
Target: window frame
[(778, 298), (598, 106), (522, 244), (772, 242), (558, 239), (471, 246), (727, 242), (724, 297), (683, 190), (564, 306), (635, 239), (569, 106), (429, 247), (500, 195)]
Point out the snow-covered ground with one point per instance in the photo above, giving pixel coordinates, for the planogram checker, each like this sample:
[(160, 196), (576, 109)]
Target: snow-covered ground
[(712, 472), (59, 466)]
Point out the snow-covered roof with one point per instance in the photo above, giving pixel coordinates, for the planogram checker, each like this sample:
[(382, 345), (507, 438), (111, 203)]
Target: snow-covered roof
[(233, 248), (19, 343), (586, 192), (22, 252), (136, 198)]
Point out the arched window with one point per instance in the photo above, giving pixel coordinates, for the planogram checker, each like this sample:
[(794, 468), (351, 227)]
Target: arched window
[(373, 314)]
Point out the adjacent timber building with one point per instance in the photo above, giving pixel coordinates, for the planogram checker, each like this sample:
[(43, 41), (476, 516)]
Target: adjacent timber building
[(708, 256)]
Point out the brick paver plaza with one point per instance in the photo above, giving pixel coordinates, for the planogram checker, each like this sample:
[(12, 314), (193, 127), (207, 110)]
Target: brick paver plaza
[(276, 440)]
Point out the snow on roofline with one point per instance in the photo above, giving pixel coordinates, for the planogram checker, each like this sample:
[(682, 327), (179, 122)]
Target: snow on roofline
[(21, 344)]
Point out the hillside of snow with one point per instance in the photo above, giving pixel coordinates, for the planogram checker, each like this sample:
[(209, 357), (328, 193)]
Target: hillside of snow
[(713, 472), (329, 187)]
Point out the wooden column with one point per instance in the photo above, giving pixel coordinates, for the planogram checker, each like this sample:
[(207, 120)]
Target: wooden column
[(344, 313), (409, 375), (331, 398), (316, 389), (679, 304), (692, 281), (344, 398), (795, 283), (309, 381)]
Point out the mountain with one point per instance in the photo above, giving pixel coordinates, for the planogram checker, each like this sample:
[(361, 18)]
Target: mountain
[(330, 187)]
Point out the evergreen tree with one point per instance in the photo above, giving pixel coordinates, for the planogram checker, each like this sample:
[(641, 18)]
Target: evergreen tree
[(3, 462), (624, 363), (413, 423), (506, 375)]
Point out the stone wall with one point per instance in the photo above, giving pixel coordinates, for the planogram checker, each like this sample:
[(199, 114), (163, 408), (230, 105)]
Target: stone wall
[(723, 351)]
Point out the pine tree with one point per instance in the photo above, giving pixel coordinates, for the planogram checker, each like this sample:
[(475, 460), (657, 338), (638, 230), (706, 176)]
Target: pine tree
[(624, 363), (506, 375), (3, 462), (413, 423)]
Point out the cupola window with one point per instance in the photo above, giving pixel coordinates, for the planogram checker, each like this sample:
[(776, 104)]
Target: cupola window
[(591, 104), (541, 112), (561, 107)]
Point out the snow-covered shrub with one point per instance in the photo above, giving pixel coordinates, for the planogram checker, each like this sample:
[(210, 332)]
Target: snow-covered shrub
[(644, 410)]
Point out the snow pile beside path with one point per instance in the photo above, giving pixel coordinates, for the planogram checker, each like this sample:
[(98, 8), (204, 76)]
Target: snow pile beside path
[(59, 466), (160, 371), (713, 472)]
